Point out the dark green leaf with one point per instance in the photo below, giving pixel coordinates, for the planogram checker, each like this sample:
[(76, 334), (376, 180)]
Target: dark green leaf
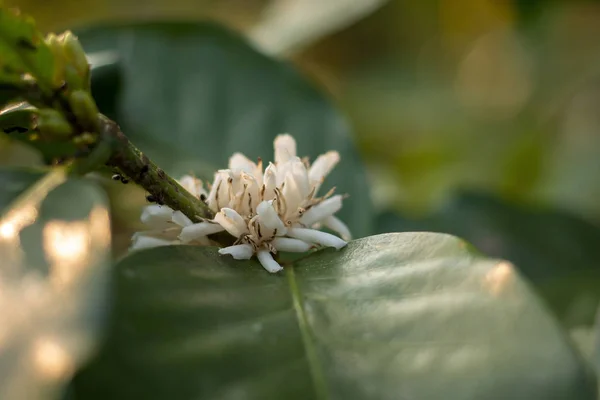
[(397, 316), (193, 94), (558, 252)]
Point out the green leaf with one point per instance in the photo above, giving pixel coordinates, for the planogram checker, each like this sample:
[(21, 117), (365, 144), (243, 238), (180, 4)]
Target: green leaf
[(54, 242), (397, 316), (558, 252), (193, 94), (18, 124), (23, 51)]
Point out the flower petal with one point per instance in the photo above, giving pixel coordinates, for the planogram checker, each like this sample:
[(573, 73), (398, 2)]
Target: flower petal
[(301, 177), (285, 148), (198, 231), (291, 245), (296, 188), (220, 191), (251, 198), (240, 162), (239, 251), (193, 185), (268, 262), (156, 216), (146, 242), (268, 216), (318, 237), (322, 167), (322, 210), (232, 222), (181, 219), (269, 182), (336, 225)]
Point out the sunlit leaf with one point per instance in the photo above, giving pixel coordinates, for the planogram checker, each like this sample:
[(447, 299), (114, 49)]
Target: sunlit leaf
[(54, 242), (397, 316), (558, 252)]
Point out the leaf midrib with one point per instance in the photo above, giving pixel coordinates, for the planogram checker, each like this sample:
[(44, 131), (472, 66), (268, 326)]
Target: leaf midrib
[(314, 364)]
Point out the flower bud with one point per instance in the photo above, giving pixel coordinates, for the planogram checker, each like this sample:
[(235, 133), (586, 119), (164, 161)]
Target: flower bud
[(71, 64), (52, 124), (59, 59), (85, 109)]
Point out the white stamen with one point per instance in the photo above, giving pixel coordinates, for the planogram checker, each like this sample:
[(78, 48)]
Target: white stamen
[(291, 245), (336, 225), (318, 237), (267, 261), (239, 251), (198, 231), (322, 210)]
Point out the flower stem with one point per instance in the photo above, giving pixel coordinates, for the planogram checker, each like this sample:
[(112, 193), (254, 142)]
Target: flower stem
[(140, 169)]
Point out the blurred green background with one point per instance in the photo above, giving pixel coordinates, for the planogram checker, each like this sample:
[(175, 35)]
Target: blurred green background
[(490, 95), (475, 117)]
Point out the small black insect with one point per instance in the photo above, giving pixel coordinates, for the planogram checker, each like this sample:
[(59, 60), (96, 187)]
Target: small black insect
[(203, 197), (119, 177), (153, 199)]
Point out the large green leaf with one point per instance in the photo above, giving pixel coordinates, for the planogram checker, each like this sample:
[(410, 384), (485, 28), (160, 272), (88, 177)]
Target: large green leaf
[(558, 252), (193, 94), (54, 243), (397, 316)]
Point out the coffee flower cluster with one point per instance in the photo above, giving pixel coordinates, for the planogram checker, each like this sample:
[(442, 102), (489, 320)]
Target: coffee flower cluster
[(266, 212)]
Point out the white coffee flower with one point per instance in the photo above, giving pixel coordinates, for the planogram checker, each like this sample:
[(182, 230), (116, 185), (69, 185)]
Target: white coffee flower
[(165, 223), (270, 211)]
